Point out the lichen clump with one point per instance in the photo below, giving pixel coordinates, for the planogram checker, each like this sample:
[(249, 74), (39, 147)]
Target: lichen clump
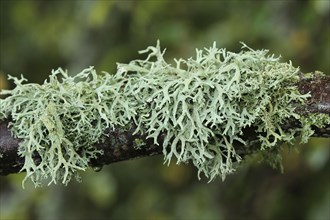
[(200, 105)]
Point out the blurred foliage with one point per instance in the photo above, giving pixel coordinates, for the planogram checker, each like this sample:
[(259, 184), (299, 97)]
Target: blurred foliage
[(37, 36)]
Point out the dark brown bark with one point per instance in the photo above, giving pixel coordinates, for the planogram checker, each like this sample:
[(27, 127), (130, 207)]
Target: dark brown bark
[(121, 145)]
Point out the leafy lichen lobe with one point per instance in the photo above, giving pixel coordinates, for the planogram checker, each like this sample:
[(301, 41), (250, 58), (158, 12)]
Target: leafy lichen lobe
[(200, 105)]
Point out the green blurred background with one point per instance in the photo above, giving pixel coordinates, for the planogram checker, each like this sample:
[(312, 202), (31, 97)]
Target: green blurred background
[(38, 36)]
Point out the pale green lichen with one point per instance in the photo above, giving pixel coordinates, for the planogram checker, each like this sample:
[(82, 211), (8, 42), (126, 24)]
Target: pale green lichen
[(61, 119), (318, 120), (138, 143), (200, 105)]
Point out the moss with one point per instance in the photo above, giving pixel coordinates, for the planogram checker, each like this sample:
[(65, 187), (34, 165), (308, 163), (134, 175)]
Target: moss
[(201, 104)]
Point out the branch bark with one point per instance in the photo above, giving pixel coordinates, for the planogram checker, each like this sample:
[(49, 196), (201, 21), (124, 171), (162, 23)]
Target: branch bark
[(120, 145)]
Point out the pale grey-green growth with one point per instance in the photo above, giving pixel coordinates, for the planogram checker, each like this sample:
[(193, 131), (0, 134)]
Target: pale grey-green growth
[(200, 104)]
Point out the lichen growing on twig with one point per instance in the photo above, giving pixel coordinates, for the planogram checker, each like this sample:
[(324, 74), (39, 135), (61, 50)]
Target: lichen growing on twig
[(200, 105)]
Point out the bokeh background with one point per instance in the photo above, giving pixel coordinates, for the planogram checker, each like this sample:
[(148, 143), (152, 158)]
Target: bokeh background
[(38, 36)]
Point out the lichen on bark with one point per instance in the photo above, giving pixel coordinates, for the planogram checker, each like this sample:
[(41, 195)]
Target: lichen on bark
[(200, 106)]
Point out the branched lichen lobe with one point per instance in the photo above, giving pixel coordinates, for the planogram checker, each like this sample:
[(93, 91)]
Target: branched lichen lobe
[(198, 111)]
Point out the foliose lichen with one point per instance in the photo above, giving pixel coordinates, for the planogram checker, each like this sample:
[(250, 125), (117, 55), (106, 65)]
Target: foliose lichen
[(200, 105)]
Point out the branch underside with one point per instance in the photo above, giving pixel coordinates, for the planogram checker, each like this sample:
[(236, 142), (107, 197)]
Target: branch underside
[(121, 145)]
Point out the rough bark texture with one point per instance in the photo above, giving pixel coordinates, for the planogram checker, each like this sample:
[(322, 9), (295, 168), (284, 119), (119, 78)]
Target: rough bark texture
[(121, 145)]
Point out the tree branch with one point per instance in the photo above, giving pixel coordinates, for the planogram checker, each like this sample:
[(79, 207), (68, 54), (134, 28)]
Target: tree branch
[(121, 145)]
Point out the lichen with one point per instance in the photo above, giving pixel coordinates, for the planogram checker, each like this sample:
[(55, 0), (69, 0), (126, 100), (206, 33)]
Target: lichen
[(200, 105), (60, 120), (313, 119), (138, 143)]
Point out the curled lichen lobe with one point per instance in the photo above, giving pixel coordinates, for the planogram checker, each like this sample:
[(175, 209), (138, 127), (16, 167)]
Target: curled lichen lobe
[(199, 107)]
